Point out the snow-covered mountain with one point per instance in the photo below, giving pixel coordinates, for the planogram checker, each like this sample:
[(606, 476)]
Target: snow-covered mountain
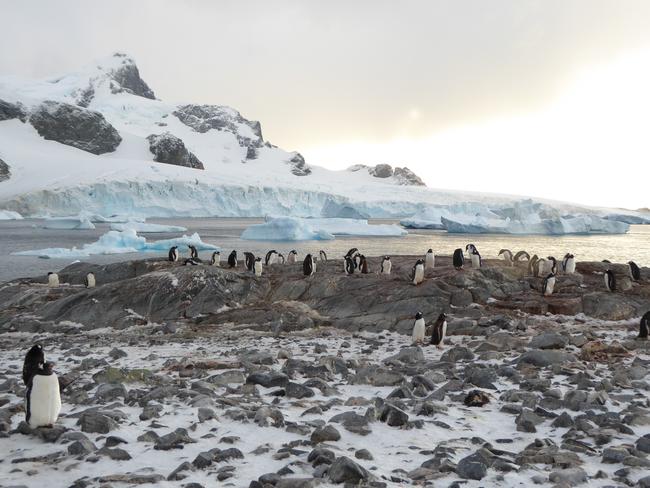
[(98, 140)]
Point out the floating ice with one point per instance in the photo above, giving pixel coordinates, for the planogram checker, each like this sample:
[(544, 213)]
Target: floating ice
[(9, 215), (144, 227), (69, 223)]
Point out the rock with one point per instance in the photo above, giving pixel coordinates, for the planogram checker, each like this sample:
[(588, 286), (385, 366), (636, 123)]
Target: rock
[(228, 378), (115, 375), (268, 380), (173, 440), (116, 353), (363, 454), (116, 454), (607, 306), (564, 420), (377, 376), (269, 416), (297, 483), (5, 171), (476, 398), (176, 474), (614, 454), (471, 468), (543, 358), (151, 412), (575, 399), (569, 477), (408, 355), (327, 433), (353, 422), (96, 422), (10, 111), (108, 392), (643, 443), (644, 482), (404, 176), (75, 126), (169, 149), (527, 420), (295, 390), (548, 340), (298, 165), (344, 470), (483, 377), (393, 416), (81, 447), (457, 354), (206, 414), (127, 76)]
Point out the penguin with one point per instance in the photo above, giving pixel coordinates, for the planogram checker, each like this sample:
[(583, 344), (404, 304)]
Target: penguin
[(215, 260), (34, 359), (569, 264), (190, 262), (90, 280), (532, 265), (173, 254), (644, 325), (258, 267), (439, 331), (418, 272), (507, 255), (348, 265), (194, 254), (386, 265), (610, 280), (281, 259), (363, 264), (541, 267), (357, 260), (459, 259), (635, 272), (521, 254), (429, 260), (553, 264), (232, 259), (549, 284), (606, 261), (271, 257), (292, 256), (470, 248), (308, 265), (475, 257), (52, 280), (249, 260), (352, 252), (322, 255), (43, 398), (419, 328)]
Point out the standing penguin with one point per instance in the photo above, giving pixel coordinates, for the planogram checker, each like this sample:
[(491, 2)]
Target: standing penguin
[(386, 265), (553, 264), (322, 255), (635, 272), (281, 258), (644, 325), (532, 265), (542, 267), (194, 254), (52, 280), (190, 262), (348, 265), (215, 260), (232, 259), (418, 272), (458, 259), (352, 252), (271, 257), (475, 257), (470, 248), (439, 331), (173, 254), (363, 264), (521, 254), (43, 398), (90, 280), (569, 264), (292, 256), (34, 360), (249, 260), (419, 329), (357, 260), (308, 265), (549, 284), (507, 255), (429, 260), (610, 280), (258, 267)]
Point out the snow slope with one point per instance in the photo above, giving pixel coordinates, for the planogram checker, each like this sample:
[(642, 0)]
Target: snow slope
[(244, 175)]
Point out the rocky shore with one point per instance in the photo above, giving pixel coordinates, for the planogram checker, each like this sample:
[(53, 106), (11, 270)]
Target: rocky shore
[(202, 376)]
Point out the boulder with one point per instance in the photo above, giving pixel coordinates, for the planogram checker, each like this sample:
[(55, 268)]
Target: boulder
[(542, 358), (298, 165), (548, 340), (345, 470), (5, 171), (169, 149)]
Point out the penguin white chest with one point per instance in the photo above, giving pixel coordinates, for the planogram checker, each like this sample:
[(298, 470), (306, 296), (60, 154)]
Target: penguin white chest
[(443, 333), (419, 275), (430, 260), (570, 266), (90, 280), (550, 284), (258, 268), (44, 400), (476, 261), (418, 331), (53, 280), (387, 267)]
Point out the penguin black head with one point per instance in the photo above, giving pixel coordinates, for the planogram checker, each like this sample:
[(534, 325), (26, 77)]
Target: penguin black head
[(258, 259), (50, 273), (293, 251), (418, 316), (442, 317), (430, 250), (386, 258)]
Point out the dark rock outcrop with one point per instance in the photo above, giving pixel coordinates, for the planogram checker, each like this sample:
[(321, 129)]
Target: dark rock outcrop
[(127, 76), (401, 176), (74, 126), (169, 149), (5, 172), (10, 111), (298, 165)]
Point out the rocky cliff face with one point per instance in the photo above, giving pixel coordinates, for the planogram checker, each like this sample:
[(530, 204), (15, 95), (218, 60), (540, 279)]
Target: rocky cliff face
[(10, 111), (74, 126), (5, 172), (169, 149), (126, 77), (401, 176)]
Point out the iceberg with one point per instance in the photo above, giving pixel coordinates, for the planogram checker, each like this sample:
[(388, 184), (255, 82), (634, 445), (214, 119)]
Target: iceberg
[(144, 227), (116, 242), (10, 215), (303, 229), (69, 223)]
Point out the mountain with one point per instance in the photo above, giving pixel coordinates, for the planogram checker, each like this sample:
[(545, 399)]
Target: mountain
[(99, 140)]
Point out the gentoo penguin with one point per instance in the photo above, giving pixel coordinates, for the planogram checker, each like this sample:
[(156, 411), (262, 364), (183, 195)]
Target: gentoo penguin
[(43, 398), (459, 259), (322, 255), (308, 265), (249, 260), (232, 259), (475, 257), (429, 260), (521, 254), (258, 267), (357, 260), (271, 257), (610, 280), (52, 280), (635, 272), (553, 264), (292, 256), (469, 248), (34, 359), (352, 252), (194, 254), (90, 280), (644, 325), (569, 264), (549, 284), (281, 258), (532, 265), (190, 262), (507, 255), (542, 267), (419, 329), (418, 272), (215, 260), (439, 331), (173, 254), (348, 265), (386, 265), (363, 264)]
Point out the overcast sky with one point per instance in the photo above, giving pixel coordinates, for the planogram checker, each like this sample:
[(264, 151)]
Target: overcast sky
[(538, 97)]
